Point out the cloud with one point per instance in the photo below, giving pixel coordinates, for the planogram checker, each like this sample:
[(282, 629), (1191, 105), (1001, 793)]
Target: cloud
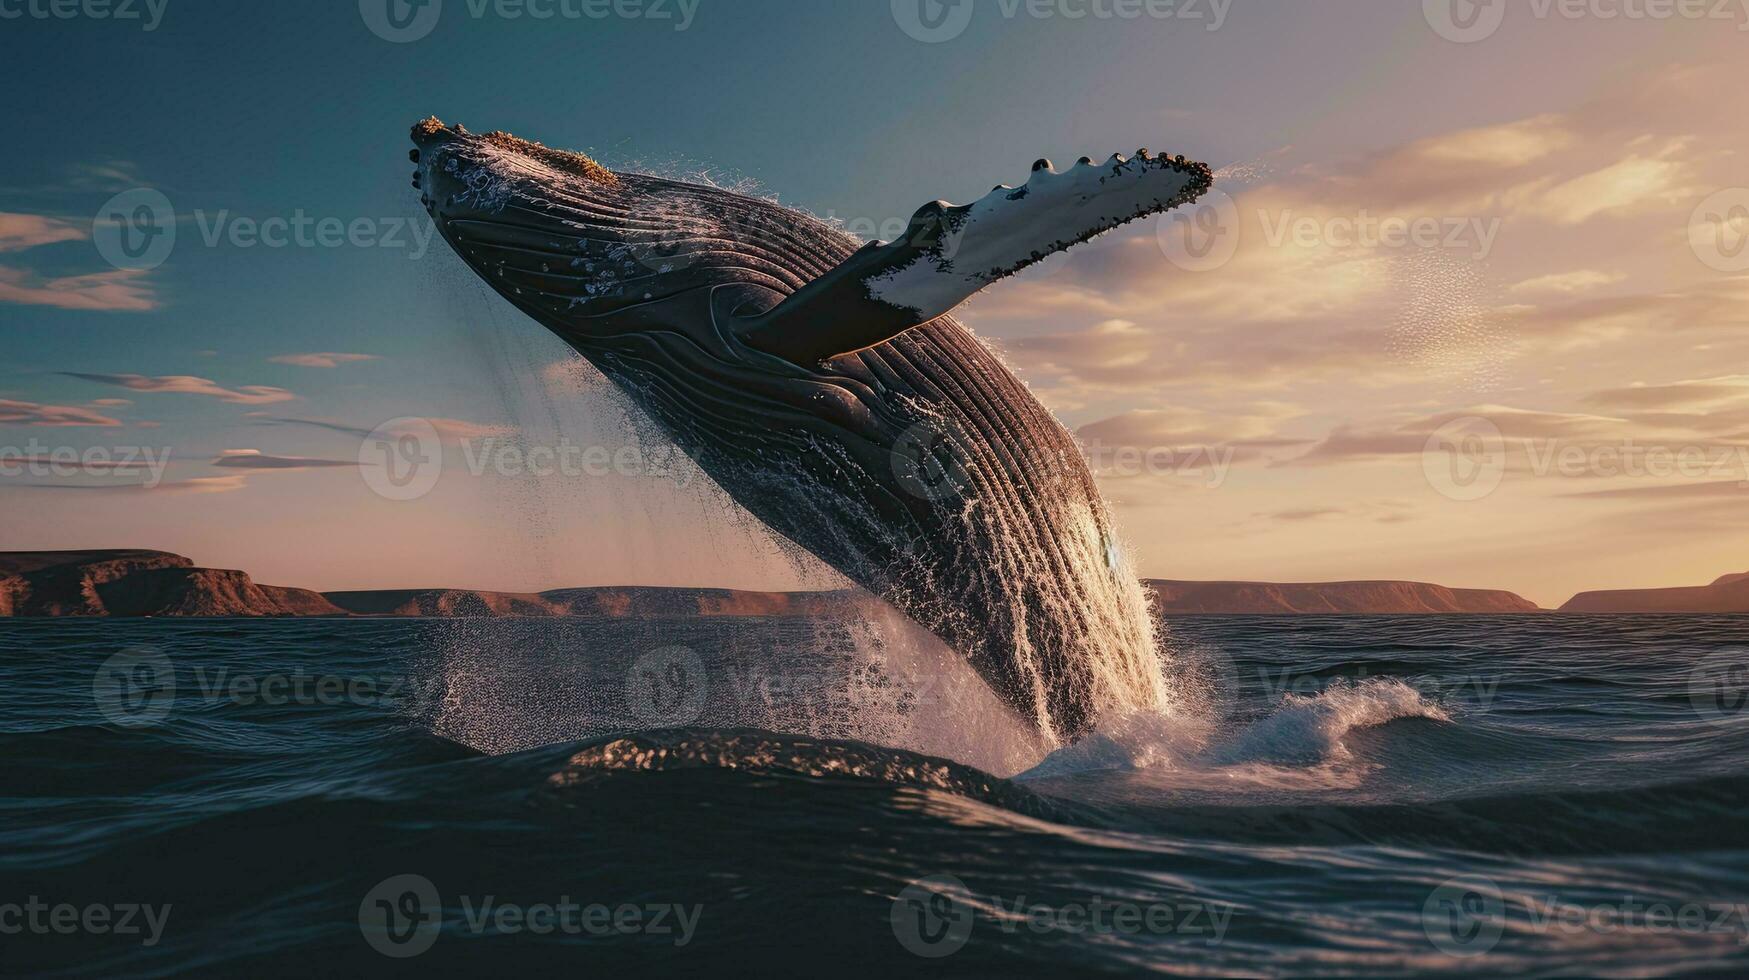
[(22, 231), (254, 459), (325, 359), (1635, 183), (1718, 489), (1349, 443), (1254, 426), (116, 290), (31, 413), (193, 485), (188, 385), (452, 430), (1681, 394), (1576, 281)]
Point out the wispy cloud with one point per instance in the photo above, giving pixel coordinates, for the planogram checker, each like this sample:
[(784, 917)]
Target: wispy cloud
[(450, 430), (189, 385), (34, 414), (22, 231), (115, 290), (255, 459), (325, 359)]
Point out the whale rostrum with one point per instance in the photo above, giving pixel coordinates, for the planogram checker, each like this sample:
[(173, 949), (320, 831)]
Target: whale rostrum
[(824, 384)]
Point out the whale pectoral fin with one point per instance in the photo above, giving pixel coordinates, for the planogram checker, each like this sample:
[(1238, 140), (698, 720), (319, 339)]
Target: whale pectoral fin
[(950, 252)]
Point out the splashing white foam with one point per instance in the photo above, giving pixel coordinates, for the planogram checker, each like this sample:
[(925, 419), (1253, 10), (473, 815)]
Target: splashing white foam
[(1299, 742)]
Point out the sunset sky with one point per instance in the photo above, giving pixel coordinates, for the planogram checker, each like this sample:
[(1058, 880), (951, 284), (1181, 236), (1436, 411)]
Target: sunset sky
[(1529, 245)]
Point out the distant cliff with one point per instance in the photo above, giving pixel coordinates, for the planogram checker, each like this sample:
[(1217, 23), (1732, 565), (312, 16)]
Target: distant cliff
[(611, 601), (140, 583), (1729, 594), (157, 583), (1312, 598)]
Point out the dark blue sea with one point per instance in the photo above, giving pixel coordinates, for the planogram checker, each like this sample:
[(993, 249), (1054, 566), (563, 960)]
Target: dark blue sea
[(1546, 795)]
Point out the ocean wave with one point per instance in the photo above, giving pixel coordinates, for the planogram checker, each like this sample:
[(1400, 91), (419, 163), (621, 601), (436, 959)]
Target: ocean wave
[(763, 753)]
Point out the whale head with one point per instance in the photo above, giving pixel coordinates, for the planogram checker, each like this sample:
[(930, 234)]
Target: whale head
[(575, 245)]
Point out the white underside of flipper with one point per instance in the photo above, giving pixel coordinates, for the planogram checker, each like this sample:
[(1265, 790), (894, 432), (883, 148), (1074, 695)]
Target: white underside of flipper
[(1011, 228)]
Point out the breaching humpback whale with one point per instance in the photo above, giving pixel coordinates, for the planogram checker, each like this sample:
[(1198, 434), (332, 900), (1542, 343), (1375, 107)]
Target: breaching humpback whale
[(822, 384)]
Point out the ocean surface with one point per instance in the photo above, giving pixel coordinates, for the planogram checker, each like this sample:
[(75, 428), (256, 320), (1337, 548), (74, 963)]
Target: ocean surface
[(1471, 795)]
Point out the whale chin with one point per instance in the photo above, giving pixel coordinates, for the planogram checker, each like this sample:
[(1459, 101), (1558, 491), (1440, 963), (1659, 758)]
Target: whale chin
[(824, 384)]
